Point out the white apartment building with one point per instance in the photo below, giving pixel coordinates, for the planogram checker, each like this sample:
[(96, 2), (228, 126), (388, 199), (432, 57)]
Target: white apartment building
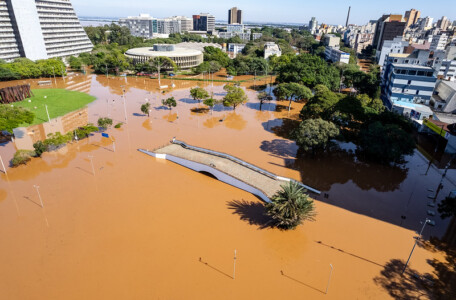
[(40, 29), (235, 48), (336, 55), (438, 42), (148, 27), (330, 40), (397, 45)]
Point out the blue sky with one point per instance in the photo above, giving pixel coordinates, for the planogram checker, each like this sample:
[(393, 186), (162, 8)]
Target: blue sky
[(295, 11)]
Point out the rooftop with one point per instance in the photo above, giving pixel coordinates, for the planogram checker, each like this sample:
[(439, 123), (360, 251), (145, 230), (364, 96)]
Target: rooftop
[(149, 51), (416, 67)]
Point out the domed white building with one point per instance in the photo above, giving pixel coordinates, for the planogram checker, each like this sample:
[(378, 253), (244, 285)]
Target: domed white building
[(184, 58)]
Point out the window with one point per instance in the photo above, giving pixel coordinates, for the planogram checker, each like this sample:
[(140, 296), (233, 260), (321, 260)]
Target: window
[(409, 82), (417, 92), (395, 60), (406, 61), (420, 73), (412, 72)]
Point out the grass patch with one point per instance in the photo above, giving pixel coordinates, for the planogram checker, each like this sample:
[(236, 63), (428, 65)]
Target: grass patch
[(59, 103)]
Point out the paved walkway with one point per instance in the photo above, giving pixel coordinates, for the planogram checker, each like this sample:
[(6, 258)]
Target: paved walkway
[(264, 181)]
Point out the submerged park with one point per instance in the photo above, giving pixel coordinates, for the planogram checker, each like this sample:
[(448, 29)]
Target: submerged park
[(89, 220)]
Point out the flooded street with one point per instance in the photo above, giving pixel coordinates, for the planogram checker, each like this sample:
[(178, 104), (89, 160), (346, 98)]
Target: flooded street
[(133, 227)]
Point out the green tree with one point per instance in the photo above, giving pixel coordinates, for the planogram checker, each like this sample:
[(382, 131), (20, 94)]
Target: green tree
[(314, 134), (309, 70), (216, 54), (7, 74), (40, 147), (210, 102), (290, 206), (75, 63), (13, 117), (321, 105), (170, 102), (145, 108), (198, 93), (447, 208), (234, 97), (385, 143), (293, 91)]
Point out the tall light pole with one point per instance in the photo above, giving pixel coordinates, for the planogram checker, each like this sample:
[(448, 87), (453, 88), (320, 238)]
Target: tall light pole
[(39, 196), (3, 165), (125, 105), (91, 162), (329, 279), (413, 249)]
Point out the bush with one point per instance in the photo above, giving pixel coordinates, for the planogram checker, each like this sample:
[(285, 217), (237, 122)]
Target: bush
[(40, 147), (118, 125), (104, 122), (21, 157), (85, 131)]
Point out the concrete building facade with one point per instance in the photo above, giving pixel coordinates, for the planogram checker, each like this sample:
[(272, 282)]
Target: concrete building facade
[(40, 29), (204, 22), (336, 55), (271, 49), (388, 28)]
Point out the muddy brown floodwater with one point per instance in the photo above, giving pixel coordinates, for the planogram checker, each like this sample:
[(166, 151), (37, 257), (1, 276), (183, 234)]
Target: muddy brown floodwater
[(134, 227)]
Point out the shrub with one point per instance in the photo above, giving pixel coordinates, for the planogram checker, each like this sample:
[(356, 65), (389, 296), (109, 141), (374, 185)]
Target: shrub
[(85, 131), (21, 157), (40, 147), (118, 125), (104, 122), (57, 140)]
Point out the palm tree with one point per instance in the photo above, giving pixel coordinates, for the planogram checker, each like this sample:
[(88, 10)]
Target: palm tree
[(290, 206)]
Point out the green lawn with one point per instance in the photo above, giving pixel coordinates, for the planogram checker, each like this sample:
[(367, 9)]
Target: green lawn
[(59, 103)]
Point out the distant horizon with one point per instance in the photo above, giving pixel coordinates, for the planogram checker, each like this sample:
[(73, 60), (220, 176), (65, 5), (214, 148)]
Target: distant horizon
[(287, 11)]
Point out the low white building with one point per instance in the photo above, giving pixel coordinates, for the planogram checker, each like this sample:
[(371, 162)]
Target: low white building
[(336, 55), (235, 48), (271, 49)]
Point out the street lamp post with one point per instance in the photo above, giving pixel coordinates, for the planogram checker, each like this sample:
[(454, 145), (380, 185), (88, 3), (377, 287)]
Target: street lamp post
[(329, 279), (125, 105), (39, 196), (416, 242)]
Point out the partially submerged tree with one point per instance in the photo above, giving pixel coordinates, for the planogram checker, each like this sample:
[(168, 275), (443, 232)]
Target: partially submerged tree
[(104, 122), (170, 102), (293, 91), (145, 108), (234, 97), (210, 102), (290, 206), (314, 134), (447, 208), (198, 93)]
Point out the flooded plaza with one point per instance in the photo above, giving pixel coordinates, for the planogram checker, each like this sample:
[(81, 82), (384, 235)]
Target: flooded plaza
[(134, 227)]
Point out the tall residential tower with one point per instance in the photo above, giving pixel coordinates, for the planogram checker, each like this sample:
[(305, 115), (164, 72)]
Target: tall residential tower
[(40, 29), (234, 16)]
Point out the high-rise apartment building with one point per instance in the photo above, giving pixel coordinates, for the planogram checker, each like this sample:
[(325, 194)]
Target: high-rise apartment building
[(234, 16), (313, 24), (411, 17), (426, 23), (146, 26), (204, 22), (40, 29), (439, 42), (443, 23), (186, 23), (388, 27), (142, 26)]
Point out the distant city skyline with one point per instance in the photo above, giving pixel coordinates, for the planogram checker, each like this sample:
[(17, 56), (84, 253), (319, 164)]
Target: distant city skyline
[(286, 11)]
